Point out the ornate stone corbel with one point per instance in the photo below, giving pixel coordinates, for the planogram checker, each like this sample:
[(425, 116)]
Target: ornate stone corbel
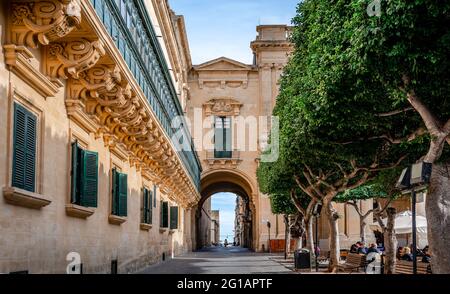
[(100, 80), (126, 110), (43, 22), (93, 85), (66, 59)]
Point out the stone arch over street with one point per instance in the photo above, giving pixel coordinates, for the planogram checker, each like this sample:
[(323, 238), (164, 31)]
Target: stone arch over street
[(223, 93), (232, 181)]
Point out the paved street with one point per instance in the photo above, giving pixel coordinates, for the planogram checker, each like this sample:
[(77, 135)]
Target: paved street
[(220, 260)]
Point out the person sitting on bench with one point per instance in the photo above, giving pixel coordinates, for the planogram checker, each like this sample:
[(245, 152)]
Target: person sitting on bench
[(362, 249), (373, 248), (407, 254)]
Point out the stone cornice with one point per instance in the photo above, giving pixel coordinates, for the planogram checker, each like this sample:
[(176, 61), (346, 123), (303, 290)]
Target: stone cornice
[(257, 45)]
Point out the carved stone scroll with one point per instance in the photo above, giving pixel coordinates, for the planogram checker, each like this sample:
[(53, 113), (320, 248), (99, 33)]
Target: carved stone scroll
[(43, 22), (71, 58)]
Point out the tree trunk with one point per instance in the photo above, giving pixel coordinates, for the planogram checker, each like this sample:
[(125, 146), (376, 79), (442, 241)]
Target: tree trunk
[(438, 218), (362, 229), (332, 218), (310, 235), (390, 242), (286, 236)]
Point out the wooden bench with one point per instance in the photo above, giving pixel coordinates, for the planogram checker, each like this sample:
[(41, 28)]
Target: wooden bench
[(353, 263), (406, 267), (344, 254)]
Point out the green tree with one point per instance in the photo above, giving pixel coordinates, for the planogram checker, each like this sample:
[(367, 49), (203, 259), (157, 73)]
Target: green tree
[(278, 182), (353, 198), (337, 131), (406, 50)]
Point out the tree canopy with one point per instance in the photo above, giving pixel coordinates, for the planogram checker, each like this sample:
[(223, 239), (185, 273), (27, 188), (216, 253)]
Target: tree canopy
[(362, 94)]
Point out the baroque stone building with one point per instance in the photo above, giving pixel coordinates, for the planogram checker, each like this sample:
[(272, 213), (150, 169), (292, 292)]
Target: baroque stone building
[(87, 97), (100, 161)]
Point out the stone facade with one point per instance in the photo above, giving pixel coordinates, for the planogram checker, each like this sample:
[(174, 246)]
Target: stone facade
[(205, 224), (64, 62), (215, 227), (243, 92)]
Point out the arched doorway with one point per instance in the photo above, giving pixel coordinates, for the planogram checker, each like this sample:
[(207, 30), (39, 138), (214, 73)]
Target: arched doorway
[(231, 181)]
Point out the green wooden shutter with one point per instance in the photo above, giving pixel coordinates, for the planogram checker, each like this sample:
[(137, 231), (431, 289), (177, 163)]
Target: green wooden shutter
[(161, 222), (123, 193), (115, 192), (75, 179), (165, 214), (24, 149), (89, 178), (150, 209), (174, 217), (154, 196), (145, 206)]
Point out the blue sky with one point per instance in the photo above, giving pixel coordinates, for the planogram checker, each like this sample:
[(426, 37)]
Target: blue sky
[(226, 28), (226, 203)]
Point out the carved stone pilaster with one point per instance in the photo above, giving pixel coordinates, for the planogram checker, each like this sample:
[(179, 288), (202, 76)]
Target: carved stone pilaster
[(42, 22), (66, 59)]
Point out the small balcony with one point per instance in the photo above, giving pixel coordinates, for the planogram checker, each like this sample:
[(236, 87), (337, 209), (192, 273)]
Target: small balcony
[(223, 158)]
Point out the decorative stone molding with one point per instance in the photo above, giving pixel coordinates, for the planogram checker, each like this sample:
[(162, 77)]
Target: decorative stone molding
[(277, 44), (66, 59), (223, 83), (223, 72), (214, 163), (18, 59), (232, 162), (145, 227), (19, 197), (116, 220), (222, 107), (79, 211), (99, 80), (43, 22), (76, 112)]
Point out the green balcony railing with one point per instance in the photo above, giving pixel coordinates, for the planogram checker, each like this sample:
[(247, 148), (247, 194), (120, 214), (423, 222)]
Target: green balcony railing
[(129, 25)]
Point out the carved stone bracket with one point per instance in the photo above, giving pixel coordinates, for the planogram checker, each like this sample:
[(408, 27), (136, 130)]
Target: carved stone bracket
[(43, 22), (66, 59)]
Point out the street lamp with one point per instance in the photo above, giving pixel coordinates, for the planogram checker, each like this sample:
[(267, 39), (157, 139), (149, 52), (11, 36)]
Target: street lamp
[(411, 178), (316, 212)]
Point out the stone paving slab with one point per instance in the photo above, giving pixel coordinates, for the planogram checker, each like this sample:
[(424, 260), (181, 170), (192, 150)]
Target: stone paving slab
[(220, 260)]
